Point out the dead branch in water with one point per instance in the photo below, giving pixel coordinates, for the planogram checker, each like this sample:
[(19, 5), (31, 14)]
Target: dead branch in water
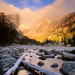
[(39, 69), (15, 66)]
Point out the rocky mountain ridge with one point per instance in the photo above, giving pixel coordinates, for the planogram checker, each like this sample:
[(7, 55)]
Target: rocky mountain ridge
[(14, 19), (9, 34), (51, 28)]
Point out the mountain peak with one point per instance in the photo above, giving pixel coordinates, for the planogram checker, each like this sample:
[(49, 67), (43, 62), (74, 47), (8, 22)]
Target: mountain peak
[(55, 27), (1, 13)]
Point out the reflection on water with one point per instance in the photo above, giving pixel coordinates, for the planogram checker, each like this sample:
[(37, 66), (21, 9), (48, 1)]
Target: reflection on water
[(23, 72), (33, 58)]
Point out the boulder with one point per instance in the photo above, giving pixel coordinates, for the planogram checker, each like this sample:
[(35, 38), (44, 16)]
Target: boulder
[(73, 51), (54, 65), (1, 51), (6, 56), (59, 57), (48, 56), (42, 50), (48, 52), (68, 68), (53, 52), (70, 51), (42, 58), (39, 53), (68, 56), (58, 52), (7, 62), (40, 63)]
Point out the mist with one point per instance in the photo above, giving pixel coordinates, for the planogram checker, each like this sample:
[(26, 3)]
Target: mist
[(29, 17)]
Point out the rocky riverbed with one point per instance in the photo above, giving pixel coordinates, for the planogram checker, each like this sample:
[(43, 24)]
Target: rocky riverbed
[(50, 58)]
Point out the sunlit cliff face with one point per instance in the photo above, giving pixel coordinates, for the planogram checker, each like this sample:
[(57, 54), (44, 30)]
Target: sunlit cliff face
[(22, 27), (29, 17)]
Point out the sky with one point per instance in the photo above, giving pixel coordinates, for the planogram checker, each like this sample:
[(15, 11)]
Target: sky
[(31, 11), (32, 4)]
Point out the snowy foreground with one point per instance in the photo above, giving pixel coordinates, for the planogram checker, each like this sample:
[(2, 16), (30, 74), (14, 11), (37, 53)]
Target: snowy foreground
[(30, 52)]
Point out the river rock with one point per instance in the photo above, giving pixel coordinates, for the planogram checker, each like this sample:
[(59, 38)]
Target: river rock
[(34, 49), (42, 50), (42, 58), (68, 56), (50, 52), (68, 68), (73, 51), (1, 71), (1, 51), (48, 56), (20, 68), (54, 65), (30, 56), (39, 53), (16, 56), (7, 62), (58, 52), (13, 52), (29, 51), (40, 63), (59, 57), (6, 56), (0, 56), (21, 50)]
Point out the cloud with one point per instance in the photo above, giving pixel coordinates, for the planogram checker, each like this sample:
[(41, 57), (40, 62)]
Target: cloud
[(29, 18), (7, 1), (37, 1), (24, 2)]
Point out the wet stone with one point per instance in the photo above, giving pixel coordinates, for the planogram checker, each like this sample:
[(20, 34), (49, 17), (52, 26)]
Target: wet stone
[(1, 51), (39, 53), (40, 63), (68, 68), (59, 57), (42, 50), (25, 49), (0, 56), (42, 58), (29, 51), (31, 56), (7, 63), (29, 59), (54, 65), (20, 68), (33, 49), (26, 55)]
